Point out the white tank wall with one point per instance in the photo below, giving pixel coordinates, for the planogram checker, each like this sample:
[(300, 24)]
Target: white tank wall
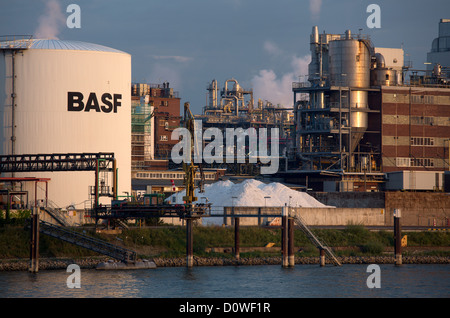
[(4, 100), (44, 125)]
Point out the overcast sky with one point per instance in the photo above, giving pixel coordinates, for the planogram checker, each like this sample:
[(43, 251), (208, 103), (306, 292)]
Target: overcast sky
[(264, 44)]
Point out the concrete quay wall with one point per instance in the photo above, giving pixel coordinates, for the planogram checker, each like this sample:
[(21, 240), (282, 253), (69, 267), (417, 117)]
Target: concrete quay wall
[(417, 208), (311, 216), (341, 216)]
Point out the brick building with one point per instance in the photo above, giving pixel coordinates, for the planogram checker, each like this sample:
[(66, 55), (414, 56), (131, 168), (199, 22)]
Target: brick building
[(165, 107), (415, 128), (155, 113)]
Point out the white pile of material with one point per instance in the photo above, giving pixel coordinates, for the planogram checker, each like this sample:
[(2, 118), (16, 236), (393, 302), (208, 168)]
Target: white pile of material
[(249, 193)]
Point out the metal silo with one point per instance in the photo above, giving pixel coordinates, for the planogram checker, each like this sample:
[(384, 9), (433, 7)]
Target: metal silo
[(68, 97), (349, 66)]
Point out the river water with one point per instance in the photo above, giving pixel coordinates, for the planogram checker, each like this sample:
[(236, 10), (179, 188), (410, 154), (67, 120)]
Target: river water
[(265, 281)]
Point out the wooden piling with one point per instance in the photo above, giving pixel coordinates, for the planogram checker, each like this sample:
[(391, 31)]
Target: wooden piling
[(284, 237), (34, 241), (291, 257), (322, 256), (236, 238), (189, 243), (397, 237)]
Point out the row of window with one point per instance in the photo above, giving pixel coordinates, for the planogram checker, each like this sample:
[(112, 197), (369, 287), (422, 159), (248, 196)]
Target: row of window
[(165, 123), (422, 99), (422, 120), (162, 103), (422, 141), (414, 162)]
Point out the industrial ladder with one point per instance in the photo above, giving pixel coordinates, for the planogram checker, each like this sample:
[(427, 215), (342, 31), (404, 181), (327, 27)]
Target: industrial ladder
[(93, 244), (56, 214), (302, 225)]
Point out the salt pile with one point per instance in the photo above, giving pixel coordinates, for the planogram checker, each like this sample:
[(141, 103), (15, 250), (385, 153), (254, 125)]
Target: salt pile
[(250, 192)]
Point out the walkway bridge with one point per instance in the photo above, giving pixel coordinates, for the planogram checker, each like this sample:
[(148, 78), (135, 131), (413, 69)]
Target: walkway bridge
[(56, 162), (100, 163)]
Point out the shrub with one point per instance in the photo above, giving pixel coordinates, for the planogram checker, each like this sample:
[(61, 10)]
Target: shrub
[(374, 248)]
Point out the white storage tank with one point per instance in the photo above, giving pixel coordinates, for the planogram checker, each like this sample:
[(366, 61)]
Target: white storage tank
[(70, 97)]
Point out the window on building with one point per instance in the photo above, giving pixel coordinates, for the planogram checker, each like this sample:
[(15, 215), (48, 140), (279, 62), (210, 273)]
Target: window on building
[(422, 141), (422, 99), (422, 162), (402, 162), (422, 120), (163, 138)]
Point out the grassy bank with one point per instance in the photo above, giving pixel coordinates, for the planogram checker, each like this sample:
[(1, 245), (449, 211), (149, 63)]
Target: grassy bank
[(170, 242)]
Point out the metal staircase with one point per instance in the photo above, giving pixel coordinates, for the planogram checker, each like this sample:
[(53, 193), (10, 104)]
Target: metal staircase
[(55, 213), (121, 223), (93, 244), (302, 225)]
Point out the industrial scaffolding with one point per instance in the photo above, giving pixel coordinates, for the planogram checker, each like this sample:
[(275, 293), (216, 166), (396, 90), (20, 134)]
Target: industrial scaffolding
[(142, 136)]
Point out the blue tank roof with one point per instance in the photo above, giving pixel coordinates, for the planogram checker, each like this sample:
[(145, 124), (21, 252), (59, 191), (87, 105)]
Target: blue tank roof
[(56, 45)]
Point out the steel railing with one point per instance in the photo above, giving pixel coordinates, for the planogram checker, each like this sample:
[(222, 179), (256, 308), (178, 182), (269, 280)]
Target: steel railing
[(93, 244)]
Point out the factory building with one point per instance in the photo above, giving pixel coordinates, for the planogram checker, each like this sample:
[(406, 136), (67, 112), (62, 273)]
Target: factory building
[(165, 107), (415, 128), (234, 107), (142, 132), (360, 118), (155, 114), (440, 47), (59, 97)]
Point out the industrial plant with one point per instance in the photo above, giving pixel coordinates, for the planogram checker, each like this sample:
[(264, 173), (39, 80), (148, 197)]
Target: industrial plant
[(363, 121), (65, 97), (361, 124)]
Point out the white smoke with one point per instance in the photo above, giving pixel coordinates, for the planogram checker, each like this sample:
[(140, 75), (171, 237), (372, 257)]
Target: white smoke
[(314, 8), (51, 21), (278, 90), (272, 48)]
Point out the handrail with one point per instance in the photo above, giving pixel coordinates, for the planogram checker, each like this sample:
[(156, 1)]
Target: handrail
[(88, 242), (302, 225)]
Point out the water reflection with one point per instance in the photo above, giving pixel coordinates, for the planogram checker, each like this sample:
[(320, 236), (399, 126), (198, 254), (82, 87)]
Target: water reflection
[(238, 282), (189, 273)]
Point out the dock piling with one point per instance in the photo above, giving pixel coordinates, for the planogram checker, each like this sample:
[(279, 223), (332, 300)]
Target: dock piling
[(284, 237), (322, 256), (397, 237), (291, 258), (34, 241), (189, 243), (236, 238)]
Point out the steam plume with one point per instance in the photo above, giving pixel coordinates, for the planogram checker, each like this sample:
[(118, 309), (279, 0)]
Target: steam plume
[(278, 90), (51, 21), (314, 7)]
